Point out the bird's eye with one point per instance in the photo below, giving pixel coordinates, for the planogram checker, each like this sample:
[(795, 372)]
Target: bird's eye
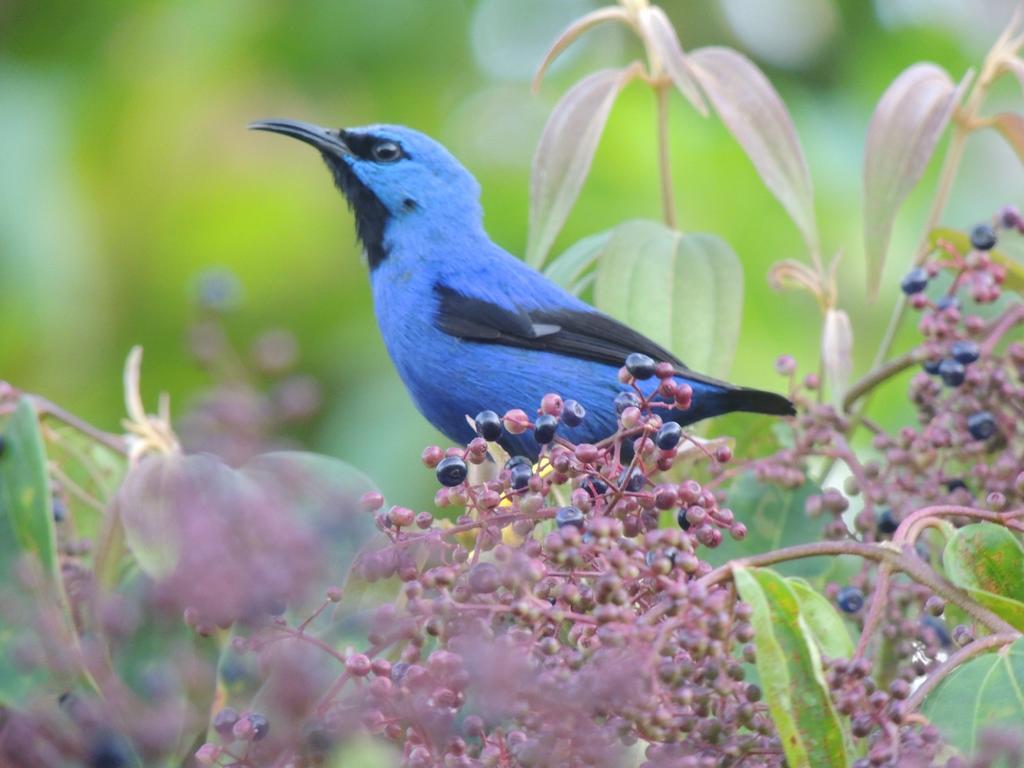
[(386, 152)]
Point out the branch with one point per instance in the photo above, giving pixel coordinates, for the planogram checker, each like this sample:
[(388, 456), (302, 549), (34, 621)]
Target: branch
[(1005, 323), (905, 561), (876, 611), (909, 529), (878, 376), (816, 549), (904, 537), (45, 408)]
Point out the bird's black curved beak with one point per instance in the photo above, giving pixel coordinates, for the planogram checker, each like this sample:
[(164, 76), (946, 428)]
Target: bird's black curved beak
[(327, 141)]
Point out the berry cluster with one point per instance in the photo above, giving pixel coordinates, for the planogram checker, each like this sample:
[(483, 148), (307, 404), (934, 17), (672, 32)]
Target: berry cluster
[(560, 612)]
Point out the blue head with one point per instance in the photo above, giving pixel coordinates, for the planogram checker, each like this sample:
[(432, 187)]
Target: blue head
[(390, 174)]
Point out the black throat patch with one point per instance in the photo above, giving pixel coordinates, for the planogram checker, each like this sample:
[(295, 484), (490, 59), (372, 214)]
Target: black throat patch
[(370, 213)]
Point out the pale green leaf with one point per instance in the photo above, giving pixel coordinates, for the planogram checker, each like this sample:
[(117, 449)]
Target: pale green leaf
[(31, 586), (683, 291), (790, 671), (573, 32), (827, 627), (981, 694), (564, 154)]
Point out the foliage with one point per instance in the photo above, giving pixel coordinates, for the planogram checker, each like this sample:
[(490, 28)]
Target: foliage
[(799, 598)]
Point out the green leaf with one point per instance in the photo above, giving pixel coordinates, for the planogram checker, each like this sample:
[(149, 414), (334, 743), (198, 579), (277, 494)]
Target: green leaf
[(568, 268), (1014, 270), (684, 291), (361, 750), (827, 627), (789, 667), (775, 518), (28, 545), (26, 506), (988, 561), (981, 694)]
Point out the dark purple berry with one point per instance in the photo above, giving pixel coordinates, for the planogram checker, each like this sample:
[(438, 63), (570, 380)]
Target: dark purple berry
[(398, 670), (850, 599), (595, 486), (931, 367), (640, 366), (886, 523), (983, 237), (916, 280), (60, 512), (624, 400), (451, 471), (952, 372), (668, 436), (517, 461), (572, 413), (965, 352), (225, 720), (981, 425), (1010, 217), (317, 742), (681, 518), (938, 626), (569, 516), (653, 554), (276, 606), (956, 484), (108, 750), (259, 724), (234, 669), (519, 476), (632, 482), (947, 302), (484, 578), (544, 428), (488, 425)]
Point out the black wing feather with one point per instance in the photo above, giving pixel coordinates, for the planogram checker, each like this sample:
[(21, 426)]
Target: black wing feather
[(589, 335), (480, 320)]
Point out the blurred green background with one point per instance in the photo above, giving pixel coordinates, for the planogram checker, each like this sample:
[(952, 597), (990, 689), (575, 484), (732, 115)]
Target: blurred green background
[(126, 173)]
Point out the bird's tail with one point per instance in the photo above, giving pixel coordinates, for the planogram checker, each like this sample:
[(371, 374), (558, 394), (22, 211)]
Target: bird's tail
[(757, 401)]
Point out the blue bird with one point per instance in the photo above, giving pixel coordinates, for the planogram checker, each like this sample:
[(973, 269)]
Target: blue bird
[(469, 326)]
